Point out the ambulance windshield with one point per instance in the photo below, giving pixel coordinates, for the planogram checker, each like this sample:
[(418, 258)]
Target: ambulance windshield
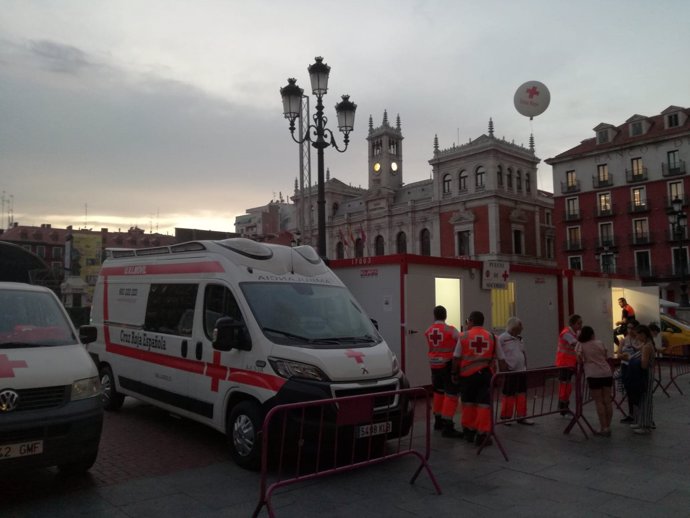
[(32, 319), (312, 315)]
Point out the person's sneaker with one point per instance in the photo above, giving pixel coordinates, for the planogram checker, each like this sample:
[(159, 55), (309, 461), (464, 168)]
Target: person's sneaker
[(563, 406), (635, 426), (642, 431), (527, 422), (628, 419), (449, 430), (438, 422), (482, 440)]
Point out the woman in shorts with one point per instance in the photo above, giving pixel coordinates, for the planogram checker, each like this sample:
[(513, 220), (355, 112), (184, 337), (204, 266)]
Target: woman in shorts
[(593, 355)]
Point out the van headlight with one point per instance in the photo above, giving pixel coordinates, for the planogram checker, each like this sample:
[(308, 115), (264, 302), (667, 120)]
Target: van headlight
[(395, 365), (292, 369), (86, 388)]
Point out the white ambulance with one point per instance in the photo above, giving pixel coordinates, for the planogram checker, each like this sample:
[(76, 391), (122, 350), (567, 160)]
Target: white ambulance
[(286, 330), (51, 410)]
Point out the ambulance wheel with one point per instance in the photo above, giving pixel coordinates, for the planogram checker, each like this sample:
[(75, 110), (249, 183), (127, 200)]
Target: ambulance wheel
[(244, 434), (112, 399)]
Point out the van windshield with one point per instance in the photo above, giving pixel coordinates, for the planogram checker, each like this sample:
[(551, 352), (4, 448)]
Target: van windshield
[(311, 315), (32, 319)]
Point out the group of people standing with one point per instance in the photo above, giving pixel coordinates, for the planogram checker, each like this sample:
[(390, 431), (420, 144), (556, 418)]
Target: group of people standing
[(636, 351), (462, 365)]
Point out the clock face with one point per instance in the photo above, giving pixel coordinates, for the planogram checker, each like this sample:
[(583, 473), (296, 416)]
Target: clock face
[(394, 167), (377, 168)]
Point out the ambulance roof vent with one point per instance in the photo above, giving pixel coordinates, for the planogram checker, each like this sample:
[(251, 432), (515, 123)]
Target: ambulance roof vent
[(247, 248), (308, 253), (153, 251), (191, 246)]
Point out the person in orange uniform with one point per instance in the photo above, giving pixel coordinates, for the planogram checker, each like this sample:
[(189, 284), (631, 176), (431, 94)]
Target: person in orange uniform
[(627, 315), (567, 357), (441, 339), (473, 360)]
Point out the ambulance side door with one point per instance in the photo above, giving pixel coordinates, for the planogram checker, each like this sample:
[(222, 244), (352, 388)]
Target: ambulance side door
[(216, 300)]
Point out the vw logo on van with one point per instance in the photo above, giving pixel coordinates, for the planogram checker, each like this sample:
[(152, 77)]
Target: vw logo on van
[(9, 400)]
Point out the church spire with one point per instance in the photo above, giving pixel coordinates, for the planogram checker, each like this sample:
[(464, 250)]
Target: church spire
[(371, 124), (385, 117), (491, 127), (397, 123)]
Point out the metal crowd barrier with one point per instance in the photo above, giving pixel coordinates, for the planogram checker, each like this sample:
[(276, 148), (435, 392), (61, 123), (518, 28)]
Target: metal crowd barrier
[(309, 440), (542, 399), (677, 366)]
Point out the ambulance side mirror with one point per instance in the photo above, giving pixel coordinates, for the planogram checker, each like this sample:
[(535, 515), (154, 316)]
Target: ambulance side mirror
[(231, 334), (88, 334)]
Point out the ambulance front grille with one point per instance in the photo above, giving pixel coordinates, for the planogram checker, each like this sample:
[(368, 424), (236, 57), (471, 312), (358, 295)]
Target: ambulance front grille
[(380, 402), (40, 398)]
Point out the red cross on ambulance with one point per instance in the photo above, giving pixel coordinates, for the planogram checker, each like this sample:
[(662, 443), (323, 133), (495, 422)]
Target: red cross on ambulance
[(7, 366)]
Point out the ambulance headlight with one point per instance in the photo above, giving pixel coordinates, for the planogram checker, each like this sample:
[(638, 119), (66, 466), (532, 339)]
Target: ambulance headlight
[(396, 365), (292, 369), (86, 388)]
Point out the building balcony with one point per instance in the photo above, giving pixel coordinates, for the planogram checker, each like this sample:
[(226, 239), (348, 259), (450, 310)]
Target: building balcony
[(635, 207), (567, 187), (573, 246), (598, 183), (606, 210), (572, 215), (676, 169), (669, 201), (675, 237), (641, 238), (605, 243), (636, 175)]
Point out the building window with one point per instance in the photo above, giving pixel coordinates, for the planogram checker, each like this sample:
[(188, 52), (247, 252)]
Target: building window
[(636, 167), (602, 175), (680, 261), (340, 250), (643, 265), (518, 242), (379, 246), (528, 183), (639, 200), (499, 176), (518, 180), (675, 190), (570, 179), (425, 242), (463, 240), (602, 136), (673, 160), (672, 120), (509, 178), (549, 247), (604, 203), (575, 263), (606, 234), (636, 129), (401, 243), (57, 253), (640, 231), (572, 208), (447, 180), (574, 241), (607, 262), (359, 247), (479, 177), (462, 180), (548, 219), (41, 251)]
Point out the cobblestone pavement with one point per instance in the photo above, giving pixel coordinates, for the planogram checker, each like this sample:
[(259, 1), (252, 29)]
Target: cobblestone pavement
[(152, 465)]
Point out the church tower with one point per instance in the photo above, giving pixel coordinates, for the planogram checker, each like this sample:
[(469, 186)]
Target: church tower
[(385, 155)]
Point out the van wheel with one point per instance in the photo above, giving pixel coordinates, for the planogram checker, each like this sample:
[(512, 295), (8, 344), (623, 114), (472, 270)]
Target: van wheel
[(244, 434), (112, 399), (80, 466)]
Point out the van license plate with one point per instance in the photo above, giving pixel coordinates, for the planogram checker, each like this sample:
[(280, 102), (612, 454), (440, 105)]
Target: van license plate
[(20, 449), (367, 430)]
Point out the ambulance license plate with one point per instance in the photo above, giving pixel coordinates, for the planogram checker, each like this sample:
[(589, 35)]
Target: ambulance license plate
[(20, 449), (367, 430)]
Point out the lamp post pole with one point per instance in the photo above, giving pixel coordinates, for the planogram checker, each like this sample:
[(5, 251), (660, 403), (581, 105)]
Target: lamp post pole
[(679, 222), (317, 133)]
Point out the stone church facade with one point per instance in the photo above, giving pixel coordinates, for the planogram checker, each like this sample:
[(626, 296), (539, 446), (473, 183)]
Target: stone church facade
[(481, 203)]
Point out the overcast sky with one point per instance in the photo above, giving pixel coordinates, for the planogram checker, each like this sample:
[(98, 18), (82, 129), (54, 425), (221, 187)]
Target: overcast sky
[(163, 113)]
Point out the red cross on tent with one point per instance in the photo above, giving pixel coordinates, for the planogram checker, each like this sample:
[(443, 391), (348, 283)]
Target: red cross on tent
[(7, 366)]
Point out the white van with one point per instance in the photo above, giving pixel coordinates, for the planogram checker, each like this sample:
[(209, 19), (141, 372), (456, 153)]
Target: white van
[(286, 330), (51, 410)]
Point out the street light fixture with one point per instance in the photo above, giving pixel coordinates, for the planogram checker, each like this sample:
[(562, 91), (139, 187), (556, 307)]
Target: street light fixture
[(317, 133), (679, 223)]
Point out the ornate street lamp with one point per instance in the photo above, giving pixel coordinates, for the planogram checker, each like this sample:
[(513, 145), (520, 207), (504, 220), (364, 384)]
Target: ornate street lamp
[(679, 223), (317, 133)]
